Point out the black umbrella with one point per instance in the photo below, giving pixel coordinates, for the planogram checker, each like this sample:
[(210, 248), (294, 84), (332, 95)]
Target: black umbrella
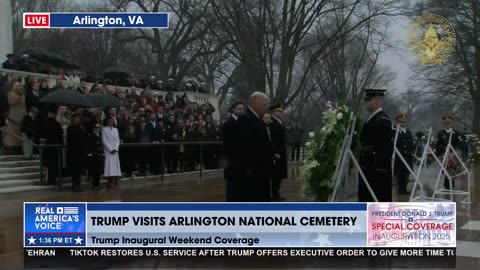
[(67, 97), (56, 60), (99, 100), (38, 54), (69, 64), (116, 72)]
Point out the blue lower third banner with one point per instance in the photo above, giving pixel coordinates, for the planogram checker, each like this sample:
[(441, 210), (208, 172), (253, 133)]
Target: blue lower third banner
[(249, 225), (95, 20)]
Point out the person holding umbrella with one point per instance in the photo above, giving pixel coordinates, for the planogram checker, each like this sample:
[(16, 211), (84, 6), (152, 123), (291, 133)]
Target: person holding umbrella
[(111, 144)]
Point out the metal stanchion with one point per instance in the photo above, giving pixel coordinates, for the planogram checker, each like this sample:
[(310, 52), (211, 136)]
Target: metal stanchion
[(60, 166), (42, 169), (162, 169), (201, 161)]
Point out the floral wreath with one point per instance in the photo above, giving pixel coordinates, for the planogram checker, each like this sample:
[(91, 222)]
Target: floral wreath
[(474, 153), (323, 150)]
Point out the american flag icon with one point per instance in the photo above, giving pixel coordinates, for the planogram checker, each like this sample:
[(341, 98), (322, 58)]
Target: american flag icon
[(67, 210)]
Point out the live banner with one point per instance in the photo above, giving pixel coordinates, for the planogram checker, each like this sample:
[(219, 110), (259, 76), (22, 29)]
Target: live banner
[(240, 235)]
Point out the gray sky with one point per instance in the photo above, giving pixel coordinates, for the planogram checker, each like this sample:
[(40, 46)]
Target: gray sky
[(399, 59)]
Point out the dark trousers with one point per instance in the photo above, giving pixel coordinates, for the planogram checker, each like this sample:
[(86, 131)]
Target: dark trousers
[(95, 180), (52, 159), (155, 160), (233, 190), (402, 180), (276, 183), (446, 183), (142, 161), (75, 181), (94, 170), (296, 151), (171, 158), (52, 172)]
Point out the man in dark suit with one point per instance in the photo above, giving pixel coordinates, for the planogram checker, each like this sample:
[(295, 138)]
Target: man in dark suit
[(95, 154), (256, 155), (29, 131), (279, 141), (143, 137), (155, 132), (54, 136), (376, 138), (171, 156), (32, 97), (406, 147), (76, 151), (443, 137), (230, 142)]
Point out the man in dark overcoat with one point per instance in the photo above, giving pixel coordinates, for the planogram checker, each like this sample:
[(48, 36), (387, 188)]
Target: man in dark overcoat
[(279, 141)]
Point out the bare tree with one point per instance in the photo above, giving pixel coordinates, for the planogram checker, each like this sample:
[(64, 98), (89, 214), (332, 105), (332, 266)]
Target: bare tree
[(268, 37), (28, 38), (189, 23)]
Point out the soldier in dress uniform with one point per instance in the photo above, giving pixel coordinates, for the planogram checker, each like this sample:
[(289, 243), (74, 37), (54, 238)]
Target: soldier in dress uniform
[(406, 147), (279, 144), (95, 155), (376, 139), (442, 142)]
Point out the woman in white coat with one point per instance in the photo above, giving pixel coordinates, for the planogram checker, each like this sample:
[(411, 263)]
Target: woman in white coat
[(111, 143)]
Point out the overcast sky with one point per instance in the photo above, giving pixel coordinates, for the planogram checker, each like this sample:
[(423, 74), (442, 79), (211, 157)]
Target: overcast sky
[(399, 59)]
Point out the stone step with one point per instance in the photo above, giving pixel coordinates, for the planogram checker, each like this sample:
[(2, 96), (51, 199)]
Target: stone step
[(32, 185), (18, 189), (19, 176), (19, 169), (18, 183), (12, 158), (19, 163)]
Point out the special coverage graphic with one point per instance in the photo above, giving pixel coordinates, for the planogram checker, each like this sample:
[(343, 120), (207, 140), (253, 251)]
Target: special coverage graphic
[(412, 225), (55, 225)]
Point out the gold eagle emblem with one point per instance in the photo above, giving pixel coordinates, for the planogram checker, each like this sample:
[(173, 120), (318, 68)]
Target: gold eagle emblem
[(431, 39)]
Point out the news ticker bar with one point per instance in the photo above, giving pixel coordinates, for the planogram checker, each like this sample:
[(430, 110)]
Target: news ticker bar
[(95, 20), (415, 258)]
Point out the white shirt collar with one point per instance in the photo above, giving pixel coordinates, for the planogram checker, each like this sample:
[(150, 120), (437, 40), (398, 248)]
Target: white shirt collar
[(448, 130), (254, 112), (375, 112), (235, 117), (277, 119)]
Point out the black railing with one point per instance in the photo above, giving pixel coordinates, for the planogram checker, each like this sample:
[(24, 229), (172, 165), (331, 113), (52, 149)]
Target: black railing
[(197, 151)]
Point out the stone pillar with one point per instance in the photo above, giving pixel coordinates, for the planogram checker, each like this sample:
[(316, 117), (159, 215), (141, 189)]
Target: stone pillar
[(6, 31)]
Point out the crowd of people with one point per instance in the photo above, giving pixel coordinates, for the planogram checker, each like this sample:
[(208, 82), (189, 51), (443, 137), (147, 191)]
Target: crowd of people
[(119, 78), (142, 120)]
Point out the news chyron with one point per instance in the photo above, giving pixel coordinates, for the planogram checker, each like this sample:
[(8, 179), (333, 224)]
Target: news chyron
[(95, 20), (411, 235)]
